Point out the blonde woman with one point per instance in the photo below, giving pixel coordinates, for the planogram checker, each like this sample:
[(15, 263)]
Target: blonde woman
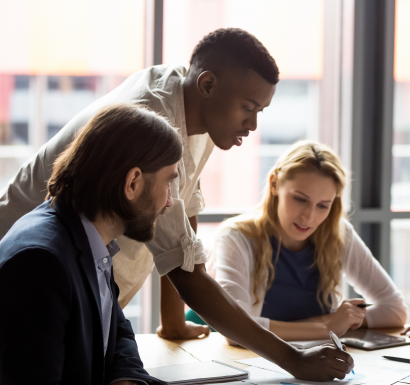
[(284, 262)]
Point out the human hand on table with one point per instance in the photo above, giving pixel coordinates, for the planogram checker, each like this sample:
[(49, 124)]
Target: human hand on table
[(189, 331), (322, 363), (405, 330), (347, 316)]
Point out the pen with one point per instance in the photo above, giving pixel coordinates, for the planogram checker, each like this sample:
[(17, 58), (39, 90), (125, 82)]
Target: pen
[(407, 360), (337, 343), (363, 305)]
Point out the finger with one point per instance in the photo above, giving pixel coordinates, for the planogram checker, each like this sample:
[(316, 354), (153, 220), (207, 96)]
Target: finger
[(343, 356), (356, 301), (342, 367), (405, 330), (340, 375), (199, 330)]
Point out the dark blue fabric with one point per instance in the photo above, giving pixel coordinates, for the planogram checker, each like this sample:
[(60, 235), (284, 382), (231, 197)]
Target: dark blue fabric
[(292, 295), (50, 309)]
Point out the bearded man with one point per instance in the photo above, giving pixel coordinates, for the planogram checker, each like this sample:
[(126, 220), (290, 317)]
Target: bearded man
[(113, 179)]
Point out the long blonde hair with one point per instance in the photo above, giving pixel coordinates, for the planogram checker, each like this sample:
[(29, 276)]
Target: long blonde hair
[(328, 239)]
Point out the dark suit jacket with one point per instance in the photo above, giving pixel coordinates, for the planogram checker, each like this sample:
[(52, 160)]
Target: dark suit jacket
[(50, 309)]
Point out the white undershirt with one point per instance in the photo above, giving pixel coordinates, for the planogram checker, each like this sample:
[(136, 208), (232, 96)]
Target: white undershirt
[(234, 272)]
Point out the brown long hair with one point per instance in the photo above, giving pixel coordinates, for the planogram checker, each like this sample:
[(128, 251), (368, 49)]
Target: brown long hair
[(264, 222), (90, 173)]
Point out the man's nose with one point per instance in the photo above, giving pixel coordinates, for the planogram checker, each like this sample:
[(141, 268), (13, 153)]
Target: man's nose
[(170, 201), (252, 122)]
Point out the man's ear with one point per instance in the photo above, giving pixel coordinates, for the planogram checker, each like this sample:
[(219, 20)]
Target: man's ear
[(134, 183), (206, 83), (274, 184)]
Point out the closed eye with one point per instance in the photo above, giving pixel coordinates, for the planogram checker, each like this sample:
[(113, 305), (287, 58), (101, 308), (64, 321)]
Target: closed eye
[(300, 199), (322, 206)]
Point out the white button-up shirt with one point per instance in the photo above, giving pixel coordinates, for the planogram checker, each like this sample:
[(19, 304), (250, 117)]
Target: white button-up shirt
[(175, 243)]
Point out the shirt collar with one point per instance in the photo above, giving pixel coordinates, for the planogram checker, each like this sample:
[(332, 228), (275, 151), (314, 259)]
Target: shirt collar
[(98, 248)]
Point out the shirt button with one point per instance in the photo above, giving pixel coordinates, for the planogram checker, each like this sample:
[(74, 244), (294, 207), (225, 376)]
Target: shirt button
[(105, 260)]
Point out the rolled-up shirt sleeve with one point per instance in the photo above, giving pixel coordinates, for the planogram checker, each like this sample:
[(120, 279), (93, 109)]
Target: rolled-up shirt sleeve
[(196, 203), (175, 243)]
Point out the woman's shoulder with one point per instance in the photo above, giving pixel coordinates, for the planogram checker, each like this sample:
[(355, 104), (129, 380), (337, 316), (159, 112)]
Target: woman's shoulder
[(353, 244), (231, 234), (348, 231)]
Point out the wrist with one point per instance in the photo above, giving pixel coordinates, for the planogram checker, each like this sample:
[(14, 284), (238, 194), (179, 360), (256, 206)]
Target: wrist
[(289, 360), (171, 330)]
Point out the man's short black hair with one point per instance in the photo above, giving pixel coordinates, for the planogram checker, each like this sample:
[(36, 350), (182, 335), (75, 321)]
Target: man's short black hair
[(234, 45)]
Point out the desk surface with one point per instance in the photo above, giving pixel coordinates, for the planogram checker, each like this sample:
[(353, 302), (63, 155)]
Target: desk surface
[(156, 351)]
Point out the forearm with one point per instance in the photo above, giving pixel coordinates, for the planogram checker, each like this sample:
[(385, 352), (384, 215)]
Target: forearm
[(219, 310), (172, 310), (172, 307)]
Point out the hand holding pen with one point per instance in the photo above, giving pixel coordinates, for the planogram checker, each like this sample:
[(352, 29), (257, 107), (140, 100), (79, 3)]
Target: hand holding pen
[(337, 343)]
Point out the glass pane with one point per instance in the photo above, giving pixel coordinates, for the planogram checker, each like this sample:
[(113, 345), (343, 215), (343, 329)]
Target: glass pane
[(14, 108), (52, 68), (207, 233), (400, 251), (56, 58), (292, 31), (401, 121)]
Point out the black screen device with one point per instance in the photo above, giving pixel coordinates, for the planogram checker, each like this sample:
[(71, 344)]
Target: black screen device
[(370, 340)]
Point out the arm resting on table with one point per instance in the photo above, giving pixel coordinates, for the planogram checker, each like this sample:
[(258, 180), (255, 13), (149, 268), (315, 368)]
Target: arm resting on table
[(174, 325), (209, 300)]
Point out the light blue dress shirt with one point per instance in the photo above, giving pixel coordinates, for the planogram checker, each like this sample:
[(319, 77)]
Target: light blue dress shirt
[(103, 255), (103, 262)]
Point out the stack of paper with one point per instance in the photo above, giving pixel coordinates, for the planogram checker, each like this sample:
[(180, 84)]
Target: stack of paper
[(198, 373), (369, 369)]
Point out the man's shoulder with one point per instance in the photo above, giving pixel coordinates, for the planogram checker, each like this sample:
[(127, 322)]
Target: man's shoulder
[(160, 89), (39, 230)]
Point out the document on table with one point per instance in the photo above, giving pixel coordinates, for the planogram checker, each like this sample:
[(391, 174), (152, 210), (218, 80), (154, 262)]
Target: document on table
[(309, 344), (369, 369)]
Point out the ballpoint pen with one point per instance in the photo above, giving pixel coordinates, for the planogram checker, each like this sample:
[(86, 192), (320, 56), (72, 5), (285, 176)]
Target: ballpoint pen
[(399, 359), (337, 343), (364, 305)]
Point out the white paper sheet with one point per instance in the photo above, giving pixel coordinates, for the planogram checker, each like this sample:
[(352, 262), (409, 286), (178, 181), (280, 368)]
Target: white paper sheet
[(309, 344), (369, 369)]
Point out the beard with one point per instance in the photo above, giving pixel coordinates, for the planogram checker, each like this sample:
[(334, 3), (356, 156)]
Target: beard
[(142, 227)]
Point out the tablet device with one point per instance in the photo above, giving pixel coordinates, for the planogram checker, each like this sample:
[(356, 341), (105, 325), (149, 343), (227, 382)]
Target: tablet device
[(370, 340)]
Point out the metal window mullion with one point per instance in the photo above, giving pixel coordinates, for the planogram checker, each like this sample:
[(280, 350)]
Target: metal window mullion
[(156, 10), (357, 113), (387, 133), (37, 125)]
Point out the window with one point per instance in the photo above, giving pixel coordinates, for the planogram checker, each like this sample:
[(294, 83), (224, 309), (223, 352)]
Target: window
[(56, 58), (400, 199), (293, 33), (400, 188)]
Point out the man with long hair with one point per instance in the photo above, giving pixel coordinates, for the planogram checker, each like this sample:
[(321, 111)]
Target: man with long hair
[(113, 179)]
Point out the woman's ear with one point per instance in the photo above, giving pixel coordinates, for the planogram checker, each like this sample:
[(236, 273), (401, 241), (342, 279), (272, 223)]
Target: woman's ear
[(274, 184)]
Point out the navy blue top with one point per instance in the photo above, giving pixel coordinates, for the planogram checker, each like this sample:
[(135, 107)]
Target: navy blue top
[(292, 295)]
